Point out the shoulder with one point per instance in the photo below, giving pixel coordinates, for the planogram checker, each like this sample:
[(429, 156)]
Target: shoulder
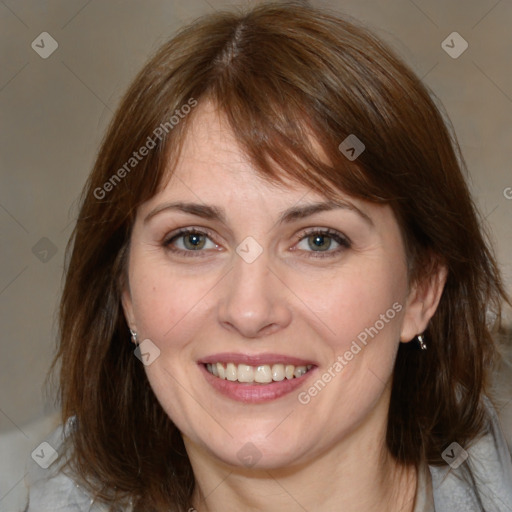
[(50, 489), (476, 477)]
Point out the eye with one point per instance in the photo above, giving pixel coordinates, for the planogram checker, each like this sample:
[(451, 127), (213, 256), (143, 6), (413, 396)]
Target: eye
[(323, 242), (190, 240)]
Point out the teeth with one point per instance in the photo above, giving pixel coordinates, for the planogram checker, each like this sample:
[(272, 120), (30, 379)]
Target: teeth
[(245, 373), (231, 373), (278, 372), (299, 371), (262, 374)]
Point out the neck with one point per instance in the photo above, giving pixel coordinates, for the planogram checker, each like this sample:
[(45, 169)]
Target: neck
[(358, 473)]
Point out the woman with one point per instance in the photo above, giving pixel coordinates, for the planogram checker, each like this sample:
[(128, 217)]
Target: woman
[(279, 222)]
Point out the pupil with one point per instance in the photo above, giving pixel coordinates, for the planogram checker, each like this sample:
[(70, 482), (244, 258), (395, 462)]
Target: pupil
[(319, 242), (194, 241)]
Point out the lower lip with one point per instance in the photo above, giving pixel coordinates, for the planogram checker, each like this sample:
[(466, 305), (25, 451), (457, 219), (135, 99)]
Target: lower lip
[(254, 393)]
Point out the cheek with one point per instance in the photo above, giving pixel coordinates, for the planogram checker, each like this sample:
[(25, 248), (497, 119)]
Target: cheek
[(359, 299), (163, 300)]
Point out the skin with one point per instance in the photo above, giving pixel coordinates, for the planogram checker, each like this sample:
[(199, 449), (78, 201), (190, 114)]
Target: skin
[(329, 454)]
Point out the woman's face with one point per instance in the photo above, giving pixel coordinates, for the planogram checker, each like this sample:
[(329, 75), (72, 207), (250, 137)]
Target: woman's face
[(269, 281)]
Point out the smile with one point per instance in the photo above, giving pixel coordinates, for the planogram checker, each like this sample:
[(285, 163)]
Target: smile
[(261, 374), (255, 378)]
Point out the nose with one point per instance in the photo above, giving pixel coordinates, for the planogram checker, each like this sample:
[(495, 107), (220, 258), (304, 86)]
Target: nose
[(254, 300)]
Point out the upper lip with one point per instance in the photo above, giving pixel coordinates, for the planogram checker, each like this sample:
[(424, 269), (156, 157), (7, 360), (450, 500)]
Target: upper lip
[(254, 360)]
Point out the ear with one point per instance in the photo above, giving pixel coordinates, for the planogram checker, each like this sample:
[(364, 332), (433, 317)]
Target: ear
[(422, 302)]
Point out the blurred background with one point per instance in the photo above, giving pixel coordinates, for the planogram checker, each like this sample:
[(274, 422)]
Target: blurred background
[(64, 67)]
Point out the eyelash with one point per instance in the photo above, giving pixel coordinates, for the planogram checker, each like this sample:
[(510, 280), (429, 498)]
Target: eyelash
[(186, 231), (342, 240)]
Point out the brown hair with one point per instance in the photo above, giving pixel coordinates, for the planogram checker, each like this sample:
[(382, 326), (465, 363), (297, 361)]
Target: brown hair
[(279, 73)]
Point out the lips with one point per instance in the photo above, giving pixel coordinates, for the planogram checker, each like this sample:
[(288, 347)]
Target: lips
[(255, 378), (255, 360)]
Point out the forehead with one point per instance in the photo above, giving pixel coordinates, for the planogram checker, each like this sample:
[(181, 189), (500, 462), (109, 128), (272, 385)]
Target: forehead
[(212, 169), (212, 160)]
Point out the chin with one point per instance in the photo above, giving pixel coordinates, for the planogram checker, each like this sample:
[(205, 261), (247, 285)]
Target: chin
[(258, 451)]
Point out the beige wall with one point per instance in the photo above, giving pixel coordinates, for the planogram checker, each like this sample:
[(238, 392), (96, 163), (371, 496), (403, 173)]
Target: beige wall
[(54, 112)]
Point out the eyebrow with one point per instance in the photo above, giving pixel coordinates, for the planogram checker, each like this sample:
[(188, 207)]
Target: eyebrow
[(288, 216), (300, 212)]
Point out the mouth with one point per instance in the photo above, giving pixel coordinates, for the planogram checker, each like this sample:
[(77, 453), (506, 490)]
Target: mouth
[(255, 379), (261, 374)]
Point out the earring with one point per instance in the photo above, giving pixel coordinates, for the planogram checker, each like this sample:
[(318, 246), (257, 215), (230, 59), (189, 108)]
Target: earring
[(134, 337), (421, 342)]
